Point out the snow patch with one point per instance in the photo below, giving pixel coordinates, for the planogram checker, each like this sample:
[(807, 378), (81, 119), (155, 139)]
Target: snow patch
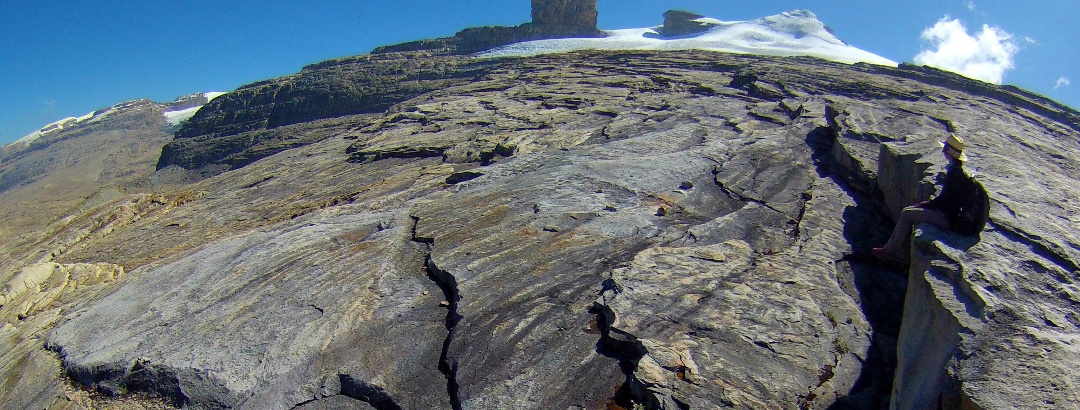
[(55, 126), (794, 33), (86, 117), (102, 114), (177, 117)]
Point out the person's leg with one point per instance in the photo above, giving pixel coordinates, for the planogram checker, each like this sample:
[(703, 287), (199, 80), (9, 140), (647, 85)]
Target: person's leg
[(908, 218)]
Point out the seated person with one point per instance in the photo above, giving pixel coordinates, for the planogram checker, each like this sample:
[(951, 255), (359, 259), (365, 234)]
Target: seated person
[(943, 211)]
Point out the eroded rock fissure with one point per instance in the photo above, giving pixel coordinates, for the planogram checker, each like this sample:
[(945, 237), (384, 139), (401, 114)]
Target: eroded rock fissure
[(305, 403), (876, 378), (827, 371), (628, 351), (447, 366), (373, 395), (448, 284), (796, 222)]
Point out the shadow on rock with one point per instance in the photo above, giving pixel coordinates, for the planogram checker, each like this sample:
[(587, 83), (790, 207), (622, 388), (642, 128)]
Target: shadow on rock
[(878, 288), (625, 348)]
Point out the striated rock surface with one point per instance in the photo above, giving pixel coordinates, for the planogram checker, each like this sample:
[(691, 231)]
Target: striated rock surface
[(591, 230), (33, 302)]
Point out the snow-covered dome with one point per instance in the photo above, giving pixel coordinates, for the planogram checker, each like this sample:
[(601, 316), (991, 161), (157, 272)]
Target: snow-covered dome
[(793, 33)]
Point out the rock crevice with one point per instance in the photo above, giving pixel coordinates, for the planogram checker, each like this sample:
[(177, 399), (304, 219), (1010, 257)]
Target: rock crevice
[(448, 366), (451, 298), (626, 350)]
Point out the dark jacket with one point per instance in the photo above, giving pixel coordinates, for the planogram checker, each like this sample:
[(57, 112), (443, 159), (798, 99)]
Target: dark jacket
[(957, 190)]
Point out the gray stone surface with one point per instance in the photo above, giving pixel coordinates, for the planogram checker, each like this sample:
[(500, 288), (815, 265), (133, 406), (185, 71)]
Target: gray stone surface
[(296, 324), (681, 23), (499, 243)]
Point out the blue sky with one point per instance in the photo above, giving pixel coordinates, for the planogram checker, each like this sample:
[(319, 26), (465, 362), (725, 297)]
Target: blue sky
[(67, 58)]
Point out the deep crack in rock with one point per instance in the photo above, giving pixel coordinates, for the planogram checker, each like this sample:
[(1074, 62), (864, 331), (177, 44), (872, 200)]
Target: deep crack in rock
[(876, 378), (448, 284), (628, 351), (447, 366)]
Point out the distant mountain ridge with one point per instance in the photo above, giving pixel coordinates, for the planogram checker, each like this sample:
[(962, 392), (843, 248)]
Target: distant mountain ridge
[(174, 112), (99, 155)]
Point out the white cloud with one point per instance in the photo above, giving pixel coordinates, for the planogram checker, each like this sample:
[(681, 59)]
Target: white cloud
[(49, 107), (1063, 81), (970, 5), (48, 112), (985, 56)]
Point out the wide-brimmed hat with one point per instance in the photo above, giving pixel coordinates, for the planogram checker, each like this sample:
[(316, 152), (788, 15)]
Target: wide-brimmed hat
[(955, 147)]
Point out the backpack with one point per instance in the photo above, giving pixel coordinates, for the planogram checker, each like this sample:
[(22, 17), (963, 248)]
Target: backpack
[(975, 212)]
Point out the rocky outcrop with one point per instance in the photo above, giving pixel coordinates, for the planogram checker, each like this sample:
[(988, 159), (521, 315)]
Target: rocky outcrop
[(258, 120), (477, 39), (264, 118), (661, 230), (572, 15), (32, 303), (681, 23), (550, 19), (968, 340), (187, 101)]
